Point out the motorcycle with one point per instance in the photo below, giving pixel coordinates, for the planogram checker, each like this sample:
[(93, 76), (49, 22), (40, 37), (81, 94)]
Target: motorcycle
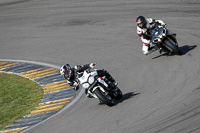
[(97, 87), (161, 38)]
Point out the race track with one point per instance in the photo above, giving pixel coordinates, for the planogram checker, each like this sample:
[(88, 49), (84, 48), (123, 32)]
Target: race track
[(161, 93)]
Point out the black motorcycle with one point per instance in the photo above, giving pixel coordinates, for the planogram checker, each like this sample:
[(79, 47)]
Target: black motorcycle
[(161, 38)]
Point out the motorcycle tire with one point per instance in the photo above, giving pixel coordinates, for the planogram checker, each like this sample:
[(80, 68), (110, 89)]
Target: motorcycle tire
[(119, 94), (103, 98), (172, 48)]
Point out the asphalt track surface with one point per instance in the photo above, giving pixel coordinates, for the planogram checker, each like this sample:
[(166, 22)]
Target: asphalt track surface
[(161, 93)]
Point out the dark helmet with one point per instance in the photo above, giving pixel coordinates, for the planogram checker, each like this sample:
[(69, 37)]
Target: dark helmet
[(66, 71), (141, 22)]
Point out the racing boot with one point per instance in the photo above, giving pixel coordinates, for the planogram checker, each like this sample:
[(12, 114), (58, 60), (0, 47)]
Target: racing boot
[(160, 51), (152, 49)]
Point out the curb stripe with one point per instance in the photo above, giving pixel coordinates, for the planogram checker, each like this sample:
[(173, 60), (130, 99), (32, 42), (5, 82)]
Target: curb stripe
[(42, 73), (57, 92), (40, 111), (36, 117), (43, 106), (7, 69), (5, 65), (38, 72), (65, 99), (56, 86), (15, 130), (49, 79), (58, 95), (24, 68)]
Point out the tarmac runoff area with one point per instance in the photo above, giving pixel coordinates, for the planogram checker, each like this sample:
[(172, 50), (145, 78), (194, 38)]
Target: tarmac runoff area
[(57, 92)]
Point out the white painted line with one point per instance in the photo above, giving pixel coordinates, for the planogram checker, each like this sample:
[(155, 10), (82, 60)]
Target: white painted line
[(31, 62)]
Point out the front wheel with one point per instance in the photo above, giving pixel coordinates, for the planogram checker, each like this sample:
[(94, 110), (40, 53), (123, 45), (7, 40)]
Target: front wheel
[(119, 94), (105, 99), (172, 48)]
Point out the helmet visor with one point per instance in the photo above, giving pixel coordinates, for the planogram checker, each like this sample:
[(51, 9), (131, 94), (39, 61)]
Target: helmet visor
[(140, 25), (68, 74)]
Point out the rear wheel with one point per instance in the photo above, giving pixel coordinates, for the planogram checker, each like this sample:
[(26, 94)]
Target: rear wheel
[(172, 48), (104, 98)]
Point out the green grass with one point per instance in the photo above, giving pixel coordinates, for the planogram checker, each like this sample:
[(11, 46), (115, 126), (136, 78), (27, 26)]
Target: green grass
[(18, 97)]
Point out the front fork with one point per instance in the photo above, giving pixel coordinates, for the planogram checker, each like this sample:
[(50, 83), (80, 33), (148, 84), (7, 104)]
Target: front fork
[(174, 40), (172, 36)]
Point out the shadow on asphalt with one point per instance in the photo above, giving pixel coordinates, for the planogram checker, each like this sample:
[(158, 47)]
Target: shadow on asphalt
[(127, 96), (184, 49), (124, 98)]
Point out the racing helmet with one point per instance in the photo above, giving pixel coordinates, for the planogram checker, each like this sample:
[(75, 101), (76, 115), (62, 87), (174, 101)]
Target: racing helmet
[(141, 22), (66, 71)]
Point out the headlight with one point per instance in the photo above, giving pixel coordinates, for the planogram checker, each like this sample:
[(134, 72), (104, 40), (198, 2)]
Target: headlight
[(157, 40), (91, 80), (163, 34), (86, 85)]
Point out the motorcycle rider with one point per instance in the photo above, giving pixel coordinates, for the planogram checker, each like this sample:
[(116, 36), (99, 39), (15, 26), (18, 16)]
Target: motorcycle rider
[(71, 74), (143, 26)]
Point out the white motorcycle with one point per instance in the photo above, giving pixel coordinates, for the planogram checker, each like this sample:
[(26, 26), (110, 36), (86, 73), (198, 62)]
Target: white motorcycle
[(97, 87)]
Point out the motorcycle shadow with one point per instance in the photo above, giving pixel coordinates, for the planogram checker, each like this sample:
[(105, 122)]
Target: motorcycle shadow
[(124, 98), (128, 96), (184, 49)]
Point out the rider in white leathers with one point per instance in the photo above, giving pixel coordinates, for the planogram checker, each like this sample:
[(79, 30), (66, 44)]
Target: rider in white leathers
[(143, 26), (71, 74)]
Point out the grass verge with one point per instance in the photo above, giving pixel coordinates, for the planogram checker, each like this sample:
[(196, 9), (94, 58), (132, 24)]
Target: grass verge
[(18, 97)]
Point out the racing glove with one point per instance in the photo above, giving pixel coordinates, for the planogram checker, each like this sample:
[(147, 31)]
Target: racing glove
[(76, 86), (92, 65)]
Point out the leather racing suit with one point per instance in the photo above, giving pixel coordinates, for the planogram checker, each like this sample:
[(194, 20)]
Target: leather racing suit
[(78, 71), (147, 47)]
